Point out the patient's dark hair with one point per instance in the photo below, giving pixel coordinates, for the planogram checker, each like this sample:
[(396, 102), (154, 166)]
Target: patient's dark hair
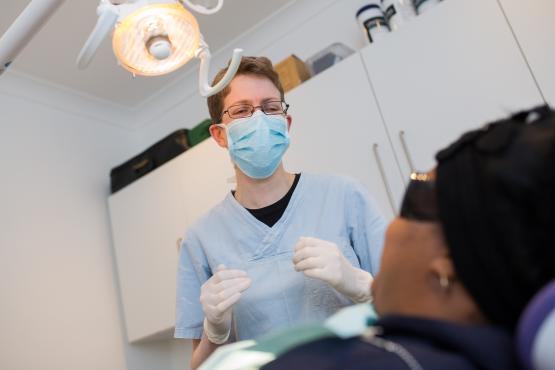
[(496, 199)]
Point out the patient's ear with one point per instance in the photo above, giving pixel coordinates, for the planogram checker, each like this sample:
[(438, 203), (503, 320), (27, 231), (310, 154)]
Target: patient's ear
[(456, 302)]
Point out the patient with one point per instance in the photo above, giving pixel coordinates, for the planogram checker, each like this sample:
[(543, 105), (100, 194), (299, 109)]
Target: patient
[(472, 244)]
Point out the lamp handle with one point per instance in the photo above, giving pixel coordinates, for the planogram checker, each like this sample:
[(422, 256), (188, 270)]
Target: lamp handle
[(108, 15), (201, 9), (203, 53)]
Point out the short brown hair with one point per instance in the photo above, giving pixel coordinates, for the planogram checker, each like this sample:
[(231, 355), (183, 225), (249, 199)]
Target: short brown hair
[(258, 66)]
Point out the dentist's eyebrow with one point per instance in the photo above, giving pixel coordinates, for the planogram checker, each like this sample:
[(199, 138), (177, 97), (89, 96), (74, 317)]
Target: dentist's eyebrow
[(244, 101)]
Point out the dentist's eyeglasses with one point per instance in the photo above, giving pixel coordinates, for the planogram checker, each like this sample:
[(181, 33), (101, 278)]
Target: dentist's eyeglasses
[(246, 110)]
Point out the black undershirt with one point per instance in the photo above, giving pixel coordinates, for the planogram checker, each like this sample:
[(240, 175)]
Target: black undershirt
[(272, 213)]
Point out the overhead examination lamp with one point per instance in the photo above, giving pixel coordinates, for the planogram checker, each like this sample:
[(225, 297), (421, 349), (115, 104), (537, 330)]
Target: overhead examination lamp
[(150, 37)]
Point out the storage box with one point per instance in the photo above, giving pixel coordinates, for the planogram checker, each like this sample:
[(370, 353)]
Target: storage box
[(328, 57), (292, 72), (155, 156), (199, 133)]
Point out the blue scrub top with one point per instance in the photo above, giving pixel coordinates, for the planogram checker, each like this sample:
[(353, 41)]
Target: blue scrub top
[(333, 208)]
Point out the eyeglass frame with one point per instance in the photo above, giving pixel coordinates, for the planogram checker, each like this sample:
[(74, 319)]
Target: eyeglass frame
[(284, 110)]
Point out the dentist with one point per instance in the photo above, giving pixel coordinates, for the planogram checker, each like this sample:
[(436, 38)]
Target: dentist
[(282, 248)]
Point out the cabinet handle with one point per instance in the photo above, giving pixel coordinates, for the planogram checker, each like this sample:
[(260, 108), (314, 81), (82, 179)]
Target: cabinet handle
[(384, 178), (406, 150), (178, 244)]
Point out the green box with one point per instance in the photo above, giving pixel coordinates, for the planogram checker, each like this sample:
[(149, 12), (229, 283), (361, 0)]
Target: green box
[(199, 133)]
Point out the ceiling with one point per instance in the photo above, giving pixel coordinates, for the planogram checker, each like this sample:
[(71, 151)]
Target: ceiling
[(51, 54)]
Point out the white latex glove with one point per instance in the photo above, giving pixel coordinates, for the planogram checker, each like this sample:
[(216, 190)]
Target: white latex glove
[(217, 296), (323, 260)]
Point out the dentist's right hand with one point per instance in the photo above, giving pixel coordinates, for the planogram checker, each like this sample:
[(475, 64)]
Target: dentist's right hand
[(217, 296)]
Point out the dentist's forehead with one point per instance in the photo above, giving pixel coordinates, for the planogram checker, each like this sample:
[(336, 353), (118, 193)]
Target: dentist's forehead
[(251, 89)]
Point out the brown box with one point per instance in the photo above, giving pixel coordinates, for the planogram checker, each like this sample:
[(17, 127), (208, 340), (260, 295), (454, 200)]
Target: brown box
[(292, 72)]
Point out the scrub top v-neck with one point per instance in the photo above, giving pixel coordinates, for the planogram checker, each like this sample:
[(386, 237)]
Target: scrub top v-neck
[(272, 213), (328, 207)]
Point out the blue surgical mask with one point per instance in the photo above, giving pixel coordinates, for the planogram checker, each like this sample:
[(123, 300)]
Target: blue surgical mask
[(256, 144)]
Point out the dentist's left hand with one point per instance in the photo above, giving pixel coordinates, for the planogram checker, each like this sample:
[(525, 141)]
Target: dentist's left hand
[(323, 260)]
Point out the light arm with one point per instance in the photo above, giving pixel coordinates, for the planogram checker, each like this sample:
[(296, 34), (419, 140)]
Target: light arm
[(203, 53), (22, 30), (107, 16)]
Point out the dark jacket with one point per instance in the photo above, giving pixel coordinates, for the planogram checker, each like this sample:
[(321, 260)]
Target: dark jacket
[(436, 345)]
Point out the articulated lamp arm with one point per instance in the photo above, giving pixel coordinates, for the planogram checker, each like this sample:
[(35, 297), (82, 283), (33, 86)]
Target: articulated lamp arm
[(107, 17), (22, 30), (203, 53)]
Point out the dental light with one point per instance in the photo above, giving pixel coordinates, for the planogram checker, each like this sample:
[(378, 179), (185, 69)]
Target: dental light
[(155, 37), (150, 37)]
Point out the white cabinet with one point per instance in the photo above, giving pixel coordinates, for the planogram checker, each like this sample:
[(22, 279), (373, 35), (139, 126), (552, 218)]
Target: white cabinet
[(533, 22), (337, 128), (148, 218), (449, 70), (209, 176)]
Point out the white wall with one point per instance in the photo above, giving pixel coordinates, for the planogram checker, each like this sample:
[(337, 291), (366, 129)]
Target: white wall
[(60, 304)]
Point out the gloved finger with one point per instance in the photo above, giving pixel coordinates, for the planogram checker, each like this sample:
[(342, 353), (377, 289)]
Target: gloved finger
[(224, 284), (226, 304), (211, 311), (309, 240), (309, 263), (209, 291), (317, 273), (228, 274), (307, 252), (224, 295), (301, 243), (235, 285)]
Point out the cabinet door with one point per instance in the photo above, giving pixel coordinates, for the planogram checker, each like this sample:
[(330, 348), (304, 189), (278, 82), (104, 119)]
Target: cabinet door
[(533, 22), (449, 70), (207, 178), (148, 217), (337, 129)]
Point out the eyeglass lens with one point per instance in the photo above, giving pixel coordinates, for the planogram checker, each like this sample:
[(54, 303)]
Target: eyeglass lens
[(247, 110)]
